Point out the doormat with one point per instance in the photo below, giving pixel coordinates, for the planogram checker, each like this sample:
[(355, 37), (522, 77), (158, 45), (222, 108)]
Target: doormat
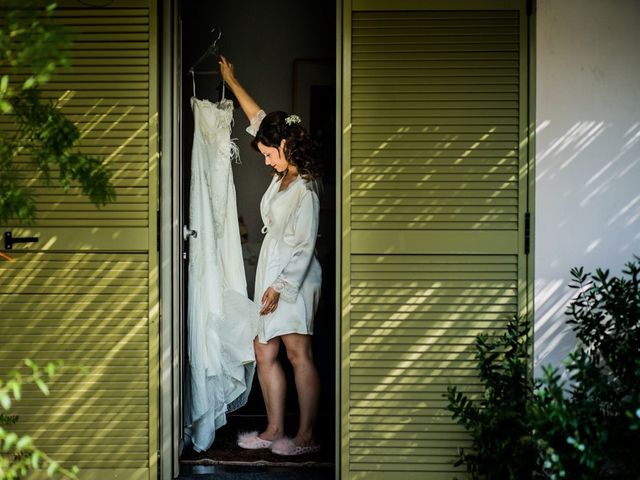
[(257, 463), (225, 451)]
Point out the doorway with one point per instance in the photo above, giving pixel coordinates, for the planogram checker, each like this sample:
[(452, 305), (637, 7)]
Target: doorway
[(285, 58)]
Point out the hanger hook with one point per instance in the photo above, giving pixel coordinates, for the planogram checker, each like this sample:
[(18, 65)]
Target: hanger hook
[(214, 47), (219, 35)]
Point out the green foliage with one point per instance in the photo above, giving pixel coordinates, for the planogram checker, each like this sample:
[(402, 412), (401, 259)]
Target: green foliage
[(585, 422), (502, 444), (31, 48), (588, 423), (18, 455), (31, 45)]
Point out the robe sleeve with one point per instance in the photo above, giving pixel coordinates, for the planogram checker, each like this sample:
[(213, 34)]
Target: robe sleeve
[(305, 231), (255, 122)]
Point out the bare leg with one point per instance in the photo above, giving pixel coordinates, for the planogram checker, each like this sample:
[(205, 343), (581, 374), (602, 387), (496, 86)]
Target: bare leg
[(273, 385), (307, 383)]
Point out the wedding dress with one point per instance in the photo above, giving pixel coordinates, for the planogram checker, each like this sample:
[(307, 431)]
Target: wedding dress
[(221, 320)]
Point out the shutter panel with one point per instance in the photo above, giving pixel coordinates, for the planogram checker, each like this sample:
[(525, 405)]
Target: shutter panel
[(434, 189), (86, 293), (106, 93)]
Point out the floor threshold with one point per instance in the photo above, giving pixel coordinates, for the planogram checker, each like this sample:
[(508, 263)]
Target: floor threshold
[(255, 472)]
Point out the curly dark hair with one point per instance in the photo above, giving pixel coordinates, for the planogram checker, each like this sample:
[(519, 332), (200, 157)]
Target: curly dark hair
[(300, 148)]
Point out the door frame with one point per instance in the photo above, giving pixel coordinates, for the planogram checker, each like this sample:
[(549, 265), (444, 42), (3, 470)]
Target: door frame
[(170, 223), (339, 240), (170, 243)]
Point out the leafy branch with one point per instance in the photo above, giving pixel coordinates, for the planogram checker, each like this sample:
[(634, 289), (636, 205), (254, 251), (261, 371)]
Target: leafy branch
[(19, 454), (31, 44), (581, 423)]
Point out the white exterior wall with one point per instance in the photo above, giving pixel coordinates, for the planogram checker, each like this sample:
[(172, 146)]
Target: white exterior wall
[(587, 209)]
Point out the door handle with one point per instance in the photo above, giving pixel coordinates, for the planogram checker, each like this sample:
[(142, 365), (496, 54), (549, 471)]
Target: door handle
[(9, 240), (187, 232)]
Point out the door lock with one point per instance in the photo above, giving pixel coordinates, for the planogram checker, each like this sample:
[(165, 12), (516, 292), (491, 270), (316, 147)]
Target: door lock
[(9, 240)]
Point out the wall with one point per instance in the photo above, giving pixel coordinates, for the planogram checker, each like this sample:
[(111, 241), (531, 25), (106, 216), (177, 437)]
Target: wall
[(587, 209), (262, 40)]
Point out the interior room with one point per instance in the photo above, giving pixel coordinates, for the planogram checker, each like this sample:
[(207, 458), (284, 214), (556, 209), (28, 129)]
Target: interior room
[(284, 54)]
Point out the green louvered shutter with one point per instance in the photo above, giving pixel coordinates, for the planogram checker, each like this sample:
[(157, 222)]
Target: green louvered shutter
[(434, 201), (86, 293)]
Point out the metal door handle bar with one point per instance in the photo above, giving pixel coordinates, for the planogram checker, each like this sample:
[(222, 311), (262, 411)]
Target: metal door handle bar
[(9, 240)]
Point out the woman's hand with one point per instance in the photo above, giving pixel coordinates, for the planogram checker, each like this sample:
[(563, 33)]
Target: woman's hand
[(269, 301), (248, 104), (226, 70)]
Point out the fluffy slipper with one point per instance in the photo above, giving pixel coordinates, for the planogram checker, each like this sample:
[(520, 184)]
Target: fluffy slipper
[(285, 446), (251, 441)]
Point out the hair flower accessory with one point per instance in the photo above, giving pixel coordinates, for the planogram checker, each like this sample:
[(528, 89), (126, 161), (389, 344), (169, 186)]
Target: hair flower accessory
[(292, 119)]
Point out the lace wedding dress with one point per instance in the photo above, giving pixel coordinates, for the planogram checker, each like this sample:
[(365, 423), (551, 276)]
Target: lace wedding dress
[(221, 320)]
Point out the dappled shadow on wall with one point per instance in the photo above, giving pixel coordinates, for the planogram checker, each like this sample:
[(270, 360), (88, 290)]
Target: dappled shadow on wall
[(587, 214)]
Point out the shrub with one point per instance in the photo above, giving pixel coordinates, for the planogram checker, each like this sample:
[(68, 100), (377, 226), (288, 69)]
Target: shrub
[(502, 444), (587, 425), (585, 422)]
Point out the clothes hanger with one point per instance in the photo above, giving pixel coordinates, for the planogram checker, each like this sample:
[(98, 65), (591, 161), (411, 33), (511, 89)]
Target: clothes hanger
[(213, 49)]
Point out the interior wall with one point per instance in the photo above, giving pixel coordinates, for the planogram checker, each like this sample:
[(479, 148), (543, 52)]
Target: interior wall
[(587, 208), (262, 40)]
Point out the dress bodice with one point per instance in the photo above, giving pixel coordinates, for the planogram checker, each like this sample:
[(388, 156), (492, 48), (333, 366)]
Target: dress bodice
[(213, 152), (212, 120)]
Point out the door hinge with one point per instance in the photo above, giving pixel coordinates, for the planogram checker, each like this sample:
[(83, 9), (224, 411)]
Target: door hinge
[(9, 240), (527, 233), (158, 230)]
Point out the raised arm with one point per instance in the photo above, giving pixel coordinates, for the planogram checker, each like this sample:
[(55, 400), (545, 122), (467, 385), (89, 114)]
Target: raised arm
[(247, 103)]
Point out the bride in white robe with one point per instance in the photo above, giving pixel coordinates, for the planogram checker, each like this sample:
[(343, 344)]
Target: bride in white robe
[(288, 276)]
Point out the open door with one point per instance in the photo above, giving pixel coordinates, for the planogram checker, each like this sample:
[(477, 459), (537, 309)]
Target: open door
[(435, 188)]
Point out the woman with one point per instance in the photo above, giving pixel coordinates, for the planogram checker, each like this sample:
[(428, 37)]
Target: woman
[(288, 275)]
